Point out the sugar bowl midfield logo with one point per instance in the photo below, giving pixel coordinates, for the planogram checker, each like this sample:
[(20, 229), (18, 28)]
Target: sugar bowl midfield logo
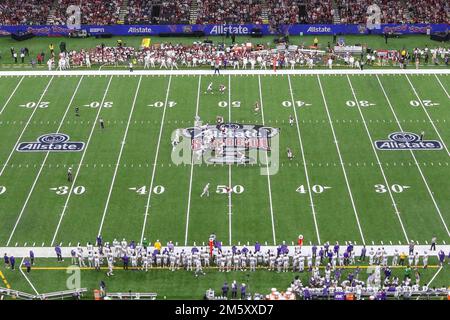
[(51, 142), (233, 138), (407, 141)]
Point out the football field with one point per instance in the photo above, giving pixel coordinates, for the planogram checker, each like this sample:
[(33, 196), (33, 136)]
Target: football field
[(370, 159)]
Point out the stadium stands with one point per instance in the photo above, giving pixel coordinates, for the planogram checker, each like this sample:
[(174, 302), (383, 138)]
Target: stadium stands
[(24, 12), (34, 12)]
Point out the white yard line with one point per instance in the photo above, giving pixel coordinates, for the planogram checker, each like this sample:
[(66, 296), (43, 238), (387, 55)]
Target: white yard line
[(119, 158), (230, 203), (26, 278), (442, 86), (192, 168), (267, 166), (43, 163), (434, 277), (397, 212), (12, 94), (81, 161), (342, 161), (26, 126), (304, 162), (426, 112), (150, 190), (415, 160)]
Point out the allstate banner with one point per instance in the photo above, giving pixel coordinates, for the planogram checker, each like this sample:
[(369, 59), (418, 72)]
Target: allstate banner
[(242, 29)]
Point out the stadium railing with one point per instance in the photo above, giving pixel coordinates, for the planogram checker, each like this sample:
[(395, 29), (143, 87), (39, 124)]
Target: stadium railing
[(131, 296), (16, 294), (75, 293)]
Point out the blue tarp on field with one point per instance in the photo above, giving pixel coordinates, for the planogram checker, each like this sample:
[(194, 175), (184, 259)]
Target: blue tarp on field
[(212, 30)]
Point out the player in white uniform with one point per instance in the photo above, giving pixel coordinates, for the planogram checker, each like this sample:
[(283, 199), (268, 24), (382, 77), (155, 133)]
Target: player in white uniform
[(256, 107), (222, 89), (209, 89), (291, 120), (289, 154), (110, 267), (205, 191), (425, 259)]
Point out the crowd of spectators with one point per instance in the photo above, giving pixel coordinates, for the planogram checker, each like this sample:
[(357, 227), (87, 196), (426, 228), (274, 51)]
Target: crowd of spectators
[(394, 11), (34, 12), (229, 11), (97, 12), (139, 12), (24, 12), (174, 12)]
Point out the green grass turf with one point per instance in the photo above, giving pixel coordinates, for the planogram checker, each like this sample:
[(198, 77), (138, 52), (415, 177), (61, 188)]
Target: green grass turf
[(180, 285), (41, 44), (33, 213)]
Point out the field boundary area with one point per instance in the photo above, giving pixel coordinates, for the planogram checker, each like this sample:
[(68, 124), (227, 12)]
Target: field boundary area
[(226, 72), (49, 252)]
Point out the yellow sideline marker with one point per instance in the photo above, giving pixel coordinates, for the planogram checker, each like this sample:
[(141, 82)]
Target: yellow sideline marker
[(4, 280)]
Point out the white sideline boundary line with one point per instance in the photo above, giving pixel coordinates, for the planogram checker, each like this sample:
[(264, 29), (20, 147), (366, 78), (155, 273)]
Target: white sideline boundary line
[(192, 168), (81, 161), (43, 163), (442, 86), (230, 203), (26, 278), (414, 157), (267, 166), (150, 190), (224, 72), (119, 158), (304, 162), (342, 161), (397, 212), (49, 252), (435, 275), (26, 126), (12, 94), (428, 115)]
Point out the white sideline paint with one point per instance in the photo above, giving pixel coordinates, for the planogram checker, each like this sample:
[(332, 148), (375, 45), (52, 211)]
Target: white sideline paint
[(397, 212), (119, 157), (150, 190), (415, 160), (304, 161), (26, 278), (342, 161), (192, 168), (49, 252), (12, 94), (26, 126), (267, 165), (224, 72), (43, 163), (94, 124)]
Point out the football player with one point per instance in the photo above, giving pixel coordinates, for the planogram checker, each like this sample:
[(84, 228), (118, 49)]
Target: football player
[(205, 191), (209, 89), (222, 89), (289, 154), (256, 107), (69, 174), (291, 120)]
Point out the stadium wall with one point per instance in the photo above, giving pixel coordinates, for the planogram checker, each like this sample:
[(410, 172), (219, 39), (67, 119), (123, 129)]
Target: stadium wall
[(214, 30)]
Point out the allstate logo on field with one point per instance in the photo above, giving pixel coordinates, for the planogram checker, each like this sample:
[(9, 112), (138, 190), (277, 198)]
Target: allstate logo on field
[(407, 141), (51, 142)]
